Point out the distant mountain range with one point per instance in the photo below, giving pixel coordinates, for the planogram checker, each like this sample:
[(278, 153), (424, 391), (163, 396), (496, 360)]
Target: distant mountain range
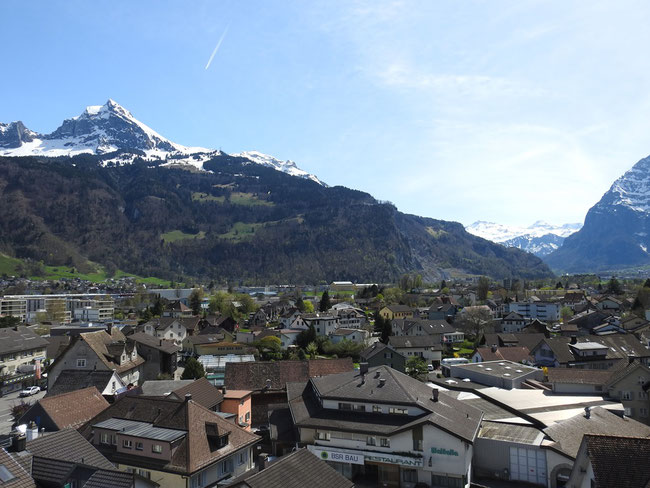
[(105, 188), (540, 238), (616, 233)]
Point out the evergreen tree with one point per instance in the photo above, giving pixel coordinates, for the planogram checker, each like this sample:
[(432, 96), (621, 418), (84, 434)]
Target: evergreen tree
[(193, 370), (614, 286), (324, 304), (647, 283), (443, 284), (196, 297)]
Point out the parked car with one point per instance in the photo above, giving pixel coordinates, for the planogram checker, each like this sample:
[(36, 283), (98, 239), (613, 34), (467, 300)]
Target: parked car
[(29, 391)]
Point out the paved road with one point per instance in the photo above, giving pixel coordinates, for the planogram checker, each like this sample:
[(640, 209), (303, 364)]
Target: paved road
[(7, 402)]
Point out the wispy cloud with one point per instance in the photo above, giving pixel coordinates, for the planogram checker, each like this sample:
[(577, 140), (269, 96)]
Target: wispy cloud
[(216, 48)]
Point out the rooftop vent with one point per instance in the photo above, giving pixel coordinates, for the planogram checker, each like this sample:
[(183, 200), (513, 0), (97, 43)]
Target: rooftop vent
[(434, 394), (363, 368), (502, 364), (377, 374), (382, 382), (508, 367), (518, 371), (480, 365), (587, 412), (506, 374), (488, 369)]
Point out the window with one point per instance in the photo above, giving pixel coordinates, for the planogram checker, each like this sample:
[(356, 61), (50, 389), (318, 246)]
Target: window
[(157, 448), (410, 475), (248, 416), (629, 411), (643, 395), (627, 395), (127, 444), (384, 442), (104, 438), (345, 406), (139, 446), (322, 436), (198, 480), (643, 412), (371, 441), (113, 440), (241, 459), (359, 408), (81, 363), (417, 445), (441, 481), (376, 408), (398, 411), (225, 467)]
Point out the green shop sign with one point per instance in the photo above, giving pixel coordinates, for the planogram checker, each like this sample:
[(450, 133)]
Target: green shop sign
[(445, 452)]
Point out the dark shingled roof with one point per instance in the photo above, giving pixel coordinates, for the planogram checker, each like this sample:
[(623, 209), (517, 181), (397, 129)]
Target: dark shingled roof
[(22, 479), (376, 348), (203, 392), (415, 341), (68, 445), (74, 379), (619, 461), (193, 452), (448, 414), (253, 375), (579, 376), (21, 339), (155, 343), (296, 470), (74, 408), (568, 433)]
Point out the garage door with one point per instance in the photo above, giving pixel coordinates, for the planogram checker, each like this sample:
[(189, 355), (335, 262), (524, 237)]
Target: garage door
[(528, 465)]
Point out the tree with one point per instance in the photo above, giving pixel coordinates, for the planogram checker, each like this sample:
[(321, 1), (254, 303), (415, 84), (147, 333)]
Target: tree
[(193, 370), (312, 349), (324, 304), (559, 285), (474, 320), (9, 321), (443, 284), (416, 367), (306, 337), (157, 308), (614, 286), (566, 313), (647, 283), (483, 288), (300, 304), (196, 297), (270, 347), (309, 307)]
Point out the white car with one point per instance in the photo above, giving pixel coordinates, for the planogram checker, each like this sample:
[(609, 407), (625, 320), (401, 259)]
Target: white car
[(32, 390)]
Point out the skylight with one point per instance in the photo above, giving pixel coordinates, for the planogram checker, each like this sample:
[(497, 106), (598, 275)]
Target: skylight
[(5, 474)]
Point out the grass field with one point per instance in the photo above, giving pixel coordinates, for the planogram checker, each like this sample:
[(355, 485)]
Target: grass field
[(247, 199), (241, 231), (198, 196), (177, 235)]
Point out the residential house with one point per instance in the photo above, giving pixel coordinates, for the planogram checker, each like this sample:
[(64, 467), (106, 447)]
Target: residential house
[(442, 330), (173, 443), (385, 427), (202, 391), (609, 304), (161, 355), (520, 339), (495, 353), (426, 347), (268, 379), (380, 354), (301, 467), (259, 319), (513, 322), (177, 309), (350, 318), (444, 311), (578, 381), (544, 311), (103, 351), (587, 320), (630, 386), (393, 312), (323, 323), (21, 352), (168, 328), (353, 335), (68, 410), (108, 383), (605, 461), (288, 317), (238, 403)]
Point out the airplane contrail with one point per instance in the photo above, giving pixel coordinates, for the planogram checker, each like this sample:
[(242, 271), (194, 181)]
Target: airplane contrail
[(216, 48)]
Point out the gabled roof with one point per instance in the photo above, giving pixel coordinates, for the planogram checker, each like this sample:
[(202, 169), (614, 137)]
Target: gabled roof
[(178, 306), (618, 461), (74, 379), (193, 452), (567, 434), (415, 341), (515, 354), (106, 346), (619, 346), (163, 345), (428, 326), (296, 470), (513, 316), (579, 376), (22, 478), (68, 445), (377, 348), (399, 308), (448, 414), (634, 367), (21, 338), (72, 409), (254, 375), (203, 392)]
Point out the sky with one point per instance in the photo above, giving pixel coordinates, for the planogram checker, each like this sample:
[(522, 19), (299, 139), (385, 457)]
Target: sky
[(501, 111)]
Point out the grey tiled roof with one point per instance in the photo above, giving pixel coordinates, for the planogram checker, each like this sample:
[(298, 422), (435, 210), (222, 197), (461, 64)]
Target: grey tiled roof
[(619, 461), (68, 445), (415, 341), (74, 379), (22, 479), (297, 470), (21, 339)]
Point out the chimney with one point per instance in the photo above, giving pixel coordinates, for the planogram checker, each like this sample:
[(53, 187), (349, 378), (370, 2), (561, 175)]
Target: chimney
[(494, 348), (382, 382), (160, 344), (377, 374), (109, 328), (434, 394), (188, 397), (574, 339), (223, 389), (587, 412), (268, 384), (262, 461), (18, 442), (32, 431), (363, 368)]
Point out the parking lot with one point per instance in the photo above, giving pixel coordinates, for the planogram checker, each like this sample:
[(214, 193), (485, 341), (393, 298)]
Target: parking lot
[(7, 402)]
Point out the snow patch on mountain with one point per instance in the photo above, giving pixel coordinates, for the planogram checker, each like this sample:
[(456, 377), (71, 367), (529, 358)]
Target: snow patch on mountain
[(632, 190), (110, 128), (540, 238)]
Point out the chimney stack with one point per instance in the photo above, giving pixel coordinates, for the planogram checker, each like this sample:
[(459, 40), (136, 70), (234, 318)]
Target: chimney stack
[(574, 339), (18, 442), (382, 382), (363, 368), (262, 461), (188, 397), (494, 348), (587, 412), (32, 431), (109, 328), (223, 389), (434, 394)]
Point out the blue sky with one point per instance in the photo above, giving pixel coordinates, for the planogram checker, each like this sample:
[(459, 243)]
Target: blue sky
[(503, 111)]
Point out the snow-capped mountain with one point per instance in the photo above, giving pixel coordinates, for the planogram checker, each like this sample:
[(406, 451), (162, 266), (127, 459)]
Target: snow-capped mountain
[(540, 238), (616, 233), (113, 131)]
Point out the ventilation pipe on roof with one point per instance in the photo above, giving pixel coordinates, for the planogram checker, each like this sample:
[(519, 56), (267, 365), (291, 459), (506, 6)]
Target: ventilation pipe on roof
[(363, 368), (188, 397), (434, 394), (630, 358), (382, 382), (494, 348), (587, 412), (32, 431)]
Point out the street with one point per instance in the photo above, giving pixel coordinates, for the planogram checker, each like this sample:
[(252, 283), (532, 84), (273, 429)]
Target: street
[(7, 402)]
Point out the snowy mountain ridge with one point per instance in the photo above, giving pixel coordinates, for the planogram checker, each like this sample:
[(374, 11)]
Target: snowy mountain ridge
[(112, 130), (540, 238)]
